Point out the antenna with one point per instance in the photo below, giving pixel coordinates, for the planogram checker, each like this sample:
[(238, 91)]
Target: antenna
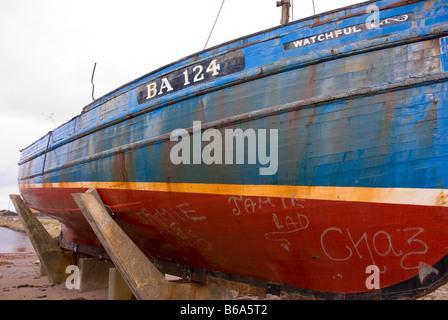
[(93, 85), (49, 117), (314, 9)]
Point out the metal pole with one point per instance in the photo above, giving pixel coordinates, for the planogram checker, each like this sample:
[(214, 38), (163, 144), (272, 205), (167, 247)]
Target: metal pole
[(286, 5)]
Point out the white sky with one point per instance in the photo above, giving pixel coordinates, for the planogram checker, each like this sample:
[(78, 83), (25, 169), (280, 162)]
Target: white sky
[(48, 49)]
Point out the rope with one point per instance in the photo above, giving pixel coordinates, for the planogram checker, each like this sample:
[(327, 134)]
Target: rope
[(214, 23), (292, 10)]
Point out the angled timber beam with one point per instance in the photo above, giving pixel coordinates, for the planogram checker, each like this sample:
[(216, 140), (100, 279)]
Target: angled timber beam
[(143, 278), (52, 258)]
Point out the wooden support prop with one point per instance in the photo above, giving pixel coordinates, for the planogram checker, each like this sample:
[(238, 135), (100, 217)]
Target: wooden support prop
[(143, 278), (118, 288), (52, 258)]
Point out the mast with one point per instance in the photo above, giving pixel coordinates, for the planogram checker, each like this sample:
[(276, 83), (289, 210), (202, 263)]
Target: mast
[(286, 5)]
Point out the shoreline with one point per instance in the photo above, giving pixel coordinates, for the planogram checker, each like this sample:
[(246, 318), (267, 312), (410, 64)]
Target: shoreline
[(20, 274), (20, 277), (13, 222)]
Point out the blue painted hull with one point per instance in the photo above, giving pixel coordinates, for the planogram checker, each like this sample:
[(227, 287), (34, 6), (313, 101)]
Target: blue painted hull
[(361, 117)]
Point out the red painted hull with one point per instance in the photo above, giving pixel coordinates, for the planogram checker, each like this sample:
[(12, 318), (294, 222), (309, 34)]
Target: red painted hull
[(323, 245)]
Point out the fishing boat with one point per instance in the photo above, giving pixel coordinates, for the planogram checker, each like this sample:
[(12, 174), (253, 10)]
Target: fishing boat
[(310, 159)]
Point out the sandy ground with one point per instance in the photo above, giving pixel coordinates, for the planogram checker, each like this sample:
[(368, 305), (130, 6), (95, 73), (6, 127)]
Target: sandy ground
[(439, 294), (20, 277)]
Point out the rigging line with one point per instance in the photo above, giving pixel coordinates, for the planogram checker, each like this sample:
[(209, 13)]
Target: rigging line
[(314, 9), (292, 10), (219, 12)]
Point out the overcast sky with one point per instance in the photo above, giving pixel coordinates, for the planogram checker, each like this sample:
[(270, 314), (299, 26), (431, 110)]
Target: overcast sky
[(48, 49)]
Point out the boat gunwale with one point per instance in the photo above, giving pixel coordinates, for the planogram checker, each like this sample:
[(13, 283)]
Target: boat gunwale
[(92, 105), (133, 83), (105, 98)]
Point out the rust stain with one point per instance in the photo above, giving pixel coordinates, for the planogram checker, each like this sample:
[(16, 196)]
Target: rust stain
[(442, 199)]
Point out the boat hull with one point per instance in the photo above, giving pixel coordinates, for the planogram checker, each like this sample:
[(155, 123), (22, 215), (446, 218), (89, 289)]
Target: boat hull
[(323, 245), (344, 157)]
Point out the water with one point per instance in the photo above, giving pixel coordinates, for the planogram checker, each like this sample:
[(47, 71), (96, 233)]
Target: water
[(14, 241)]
